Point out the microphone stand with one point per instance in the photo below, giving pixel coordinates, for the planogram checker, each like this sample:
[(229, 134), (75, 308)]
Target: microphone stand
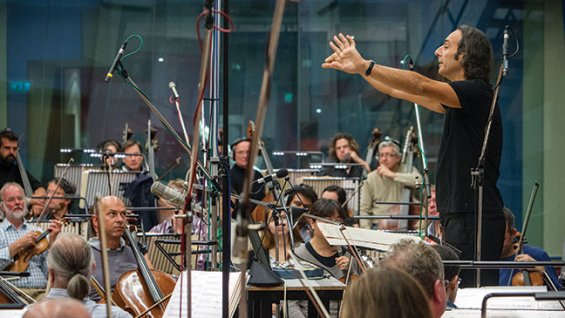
[(240, 245), (426, 176), (165, 122), (477, 177)]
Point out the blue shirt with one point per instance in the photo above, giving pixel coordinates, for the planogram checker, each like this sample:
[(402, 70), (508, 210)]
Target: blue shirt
[(37, 264), (505, 275)]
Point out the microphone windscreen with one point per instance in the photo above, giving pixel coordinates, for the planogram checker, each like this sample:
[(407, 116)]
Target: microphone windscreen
[(167, 193), (282, 173)]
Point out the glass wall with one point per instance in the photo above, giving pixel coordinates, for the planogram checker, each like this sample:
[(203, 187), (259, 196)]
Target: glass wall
[(54, 56)]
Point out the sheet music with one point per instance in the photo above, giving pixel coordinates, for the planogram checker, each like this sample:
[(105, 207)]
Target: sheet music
[(471, 298), (378, 240), (206, 295), (497, 313)]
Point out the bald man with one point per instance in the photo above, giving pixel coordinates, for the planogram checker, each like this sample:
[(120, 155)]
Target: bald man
[(121, 259)]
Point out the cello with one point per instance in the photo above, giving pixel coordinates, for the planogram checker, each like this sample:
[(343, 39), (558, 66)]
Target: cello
[(259, 213), (140, 291)]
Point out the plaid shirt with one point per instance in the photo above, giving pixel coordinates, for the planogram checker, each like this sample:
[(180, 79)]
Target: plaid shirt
[(37, 264)]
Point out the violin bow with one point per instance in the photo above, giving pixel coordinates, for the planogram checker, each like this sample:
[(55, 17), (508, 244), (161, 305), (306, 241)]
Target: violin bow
[(104, 257), (43, 214)]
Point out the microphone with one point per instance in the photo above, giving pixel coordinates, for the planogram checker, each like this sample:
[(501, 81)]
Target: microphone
[(116, 62), (281, 173), (505, 51), (173, 88), (174, 197)]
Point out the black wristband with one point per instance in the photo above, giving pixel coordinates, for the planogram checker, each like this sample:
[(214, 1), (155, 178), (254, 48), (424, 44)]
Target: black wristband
[(370, 68)]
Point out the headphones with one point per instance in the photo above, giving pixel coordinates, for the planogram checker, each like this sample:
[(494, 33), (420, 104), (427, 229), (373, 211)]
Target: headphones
[(237, 142)]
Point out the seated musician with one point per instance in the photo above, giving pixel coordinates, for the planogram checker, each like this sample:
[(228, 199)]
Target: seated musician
[(241, 150), (58, 308), (434, 227), (70, 265), (421, 262), (139, 190), (318, 251), (120, 256), (169, 224), (450, 272), (344, 149), (530, 254), (338, 194), (301, 196), (58, 208), (385, 293), (17, 238), (9, 170), (279, 252), (109, 147), (386, 184)]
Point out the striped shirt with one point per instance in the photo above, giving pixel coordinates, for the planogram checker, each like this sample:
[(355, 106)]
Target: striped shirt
[(37, 264)]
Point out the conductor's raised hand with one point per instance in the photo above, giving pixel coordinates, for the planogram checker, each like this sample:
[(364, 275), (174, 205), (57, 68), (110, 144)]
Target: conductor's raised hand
[(345, 57)]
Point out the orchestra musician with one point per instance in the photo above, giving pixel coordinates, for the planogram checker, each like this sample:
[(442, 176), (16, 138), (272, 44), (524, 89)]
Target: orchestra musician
[(276, 241), (58, 308), (58, 208), (301, 196), (465, 60), (424, 264), (385, 293), (450, 272), (70, 264), (120, 256), (530, 254), (139, 190), (386, 184), (344, 149), (18, 238), (110, 147), (318, 251), (241, 149), (170, 224), (9, 171)]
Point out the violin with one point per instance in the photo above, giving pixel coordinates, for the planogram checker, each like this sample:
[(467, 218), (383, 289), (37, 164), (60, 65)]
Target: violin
[(525, 277), (140, 291), (21, 260)]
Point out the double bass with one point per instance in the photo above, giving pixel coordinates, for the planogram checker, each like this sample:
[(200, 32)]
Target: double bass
[(408, 153)]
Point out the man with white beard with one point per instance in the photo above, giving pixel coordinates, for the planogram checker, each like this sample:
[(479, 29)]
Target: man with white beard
[(18, 237)]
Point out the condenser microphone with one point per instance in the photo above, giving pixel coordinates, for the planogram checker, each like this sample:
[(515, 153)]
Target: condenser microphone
[(173, 196), (116, 62), (173, 88), (281, 173)]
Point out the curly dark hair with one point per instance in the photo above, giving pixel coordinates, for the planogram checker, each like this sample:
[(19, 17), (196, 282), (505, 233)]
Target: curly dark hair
[(352, 144), (477, 53)]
